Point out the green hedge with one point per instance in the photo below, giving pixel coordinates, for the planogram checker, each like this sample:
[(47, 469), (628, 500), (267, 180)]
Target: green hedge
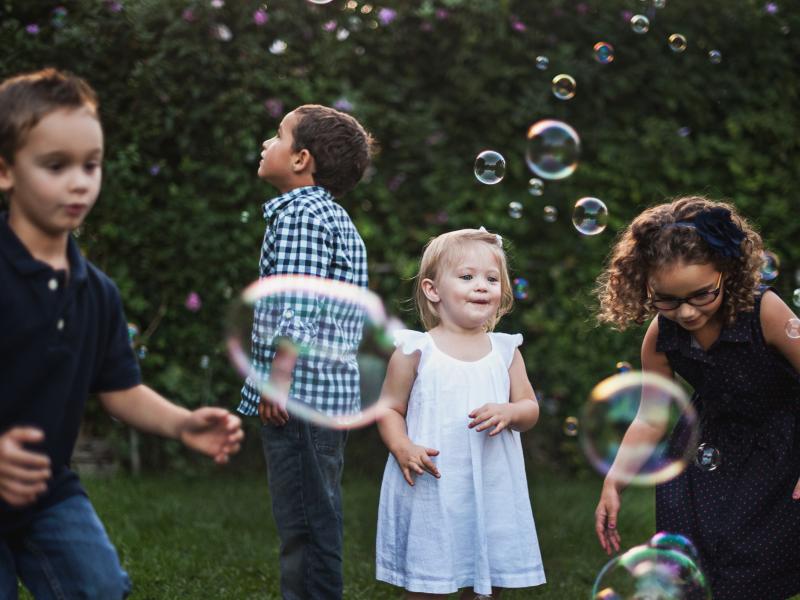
[(185, 109)]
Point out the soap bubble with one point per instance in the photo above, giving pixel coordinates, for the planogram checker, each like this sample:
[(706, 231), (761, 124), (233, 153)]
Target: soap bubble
[(640, 24), (715, 57), (707, 457), (550, 214), (542, 62), (770, 266), (564, 86), (535, 186), (515, 209), (603, 53), (792, 328), (553, 149), (570, 426), (590, 216), (677, 42), (490, 167), (521, 288), (662, 420)]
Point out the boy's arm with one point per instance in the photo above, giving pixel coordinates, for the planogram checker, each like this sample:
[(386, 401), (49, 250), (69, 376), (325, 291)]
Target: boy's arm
[(210, 430), (411, 458)]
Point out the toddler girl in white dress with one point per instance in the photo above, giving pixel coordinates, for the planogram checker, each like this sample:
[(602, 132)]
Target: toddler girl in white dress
[(460, 396)]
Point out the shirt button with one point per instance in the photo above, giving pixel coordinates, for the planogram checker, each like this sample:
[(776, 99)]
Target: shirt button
[(288, 313), (53, 284), (60, 324)]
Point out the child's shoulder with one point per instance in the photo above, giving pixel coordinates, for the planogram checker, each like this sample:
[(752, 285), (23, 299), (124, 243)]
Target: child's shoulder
[(506, 344), (409, 341)]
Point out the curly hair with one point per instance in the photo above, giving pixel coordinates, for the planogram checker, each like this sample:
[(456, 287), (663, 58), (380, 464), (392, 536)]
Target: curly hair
[(341, 147), (648, 244), (444, 250)]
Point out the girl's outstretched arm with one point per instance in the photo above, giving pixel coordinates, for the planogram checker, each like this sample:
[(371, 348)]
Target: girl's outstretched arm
[(520, 413), (774, 317), (607, 511), (411, 458)]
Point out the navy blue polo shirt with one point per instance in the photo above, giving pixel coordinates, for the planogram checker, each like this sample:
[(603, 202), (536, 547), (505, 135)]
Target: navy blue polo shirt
[(61, 338)]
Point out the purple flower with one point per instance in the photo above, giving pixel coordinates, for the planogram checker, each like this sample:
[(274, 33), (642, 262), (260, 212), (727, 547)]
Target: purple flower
[(386, 15), (343, 104), (582, 8), (442, 14), (155, 169), (770, 8), (193, 302), (518, 25), (33, 29), (329, 26), (187, 15), (260, 17), (626, 15), (217, 3), (274, 107), (114, 6)]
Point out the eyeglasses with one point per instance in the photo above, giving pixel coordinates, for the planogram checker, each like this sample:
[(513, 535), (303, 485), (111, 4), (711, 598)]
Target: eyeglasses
[(699, 299)]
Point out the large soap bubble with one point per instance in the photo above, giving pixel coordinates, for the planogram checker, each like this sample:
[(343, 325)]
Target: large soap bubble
[(553, 149)]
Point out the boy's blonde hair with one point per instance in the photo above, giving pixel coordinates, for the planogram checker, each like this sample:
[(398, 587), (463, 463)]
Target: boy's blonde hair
[(446, 249)]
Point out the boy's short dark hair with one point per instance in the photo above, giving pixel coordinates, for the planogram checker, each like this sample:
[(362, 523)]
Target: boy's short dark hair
[(26, 99), (341, 147)]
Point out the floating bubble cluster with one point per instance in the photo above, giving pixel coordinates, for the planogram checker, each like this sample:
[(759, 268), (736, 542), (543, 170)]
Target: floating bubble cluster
[(553, 149), (647, 407), (590, 216), (490, 167)]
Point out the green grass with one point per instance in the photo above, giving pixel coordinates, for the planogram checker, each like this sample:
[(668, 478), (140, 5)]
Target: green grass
[(212, 536)]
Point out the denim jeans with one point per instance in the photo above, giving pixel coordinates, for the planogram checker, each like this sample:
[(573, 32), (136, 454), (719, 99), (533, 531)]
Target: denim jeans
[(64, 554), (304, 470)]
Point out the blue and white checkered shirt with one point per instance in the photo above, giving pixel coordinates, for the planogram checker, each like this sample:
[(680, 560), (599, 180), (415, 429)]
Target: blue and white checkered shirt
[(308, 233)]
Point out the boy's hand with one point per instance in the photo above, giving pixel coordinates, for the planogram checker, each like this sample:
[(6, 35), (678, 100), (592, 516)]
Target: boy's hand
[(272, 407), (416, 459), (23, 473), (269, 412), (214, 432), (498, 415)]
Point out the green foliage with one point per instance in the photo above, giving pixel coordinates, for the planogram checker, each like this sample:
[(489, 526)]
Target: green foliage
[(184, 114)]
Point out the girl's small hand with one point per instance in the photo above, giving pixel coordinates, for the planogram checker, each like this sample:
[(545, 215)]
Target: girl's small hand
[(488, 415), (605, 518), (416, 459)]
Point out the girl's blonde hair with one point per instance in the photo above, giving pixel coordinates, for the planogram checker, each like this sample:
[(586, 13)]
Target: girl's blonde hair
[(653, 241), (444, 250)]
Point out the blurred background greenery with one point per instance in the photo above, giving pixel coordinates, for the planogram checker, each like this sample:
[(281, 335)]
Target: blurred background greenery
[(190, 88)]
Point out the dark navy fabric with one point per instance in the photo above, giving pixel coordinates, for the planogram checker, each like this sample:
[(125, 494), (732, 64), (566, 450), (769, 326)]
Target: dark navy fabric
[(61, 338), (741, 515)]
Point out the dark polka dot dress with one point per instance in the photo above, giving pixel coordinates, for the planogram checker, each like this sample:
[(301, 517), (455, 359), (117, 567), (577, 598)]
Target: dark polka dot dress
[(740, 515)]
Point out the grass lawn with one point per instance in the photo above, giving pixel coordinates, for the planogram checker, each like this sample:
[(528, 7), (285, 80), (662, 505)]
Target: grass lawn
[(212, 536)]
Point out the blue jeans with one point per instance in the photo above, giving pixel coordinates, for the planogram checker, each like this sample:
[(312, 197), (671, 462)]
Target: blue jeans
[(64, 554), (304, 469)]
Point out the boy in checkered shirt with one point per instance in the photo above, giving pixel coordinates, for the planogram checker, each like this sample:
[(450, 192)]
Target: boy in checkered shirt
[(318, 155)]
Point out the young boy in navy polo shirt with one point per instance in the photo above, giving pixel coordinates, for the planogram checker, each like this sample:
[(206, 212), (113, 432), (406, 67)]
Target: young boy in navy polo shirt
[(317, 155), (64, 335)]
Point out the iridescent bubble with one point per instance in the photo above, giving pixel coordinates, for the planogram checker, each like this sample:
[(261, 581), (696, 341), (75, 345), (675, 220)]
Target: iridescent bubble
[(542, 62), (659, 3), (675, 542), (624, 366), (357, 342), (792, 328), (278, 47), (677, 42), (490, 167), (320, 1), (515, 209), (685, 131), (796, 297), (245, 216), (707, 457), (640, 24), (342, 34), (571, 426), (204, 361), (647, 573), (521, 287), (553, 149), (590, 216), (564, 86), (550, 214), (142, 353), (648, 407), (133, 331), (715, 57), (770, 266), (535, 186), (603, 52)]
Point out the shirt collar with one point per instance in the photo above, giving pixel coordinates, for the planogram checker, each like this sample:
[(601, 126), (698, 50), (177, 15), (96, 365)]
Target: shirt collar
[(672, 336), (279, 202), (23, 261)]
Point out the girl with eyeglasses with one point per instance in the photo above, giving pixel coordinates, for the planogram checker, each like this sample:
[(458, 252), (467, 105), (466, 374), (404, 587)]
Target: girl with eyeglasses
[(693, 267)]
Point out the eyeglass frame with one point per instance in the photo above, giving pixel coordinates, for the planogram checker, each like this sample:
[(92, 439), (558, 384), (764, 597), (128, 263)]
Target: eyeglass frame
[(714, 295)]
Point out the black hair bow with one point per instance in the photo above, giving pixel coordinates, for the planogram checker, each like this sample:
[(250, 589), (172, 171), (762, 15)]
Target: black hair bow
[(719, 231)]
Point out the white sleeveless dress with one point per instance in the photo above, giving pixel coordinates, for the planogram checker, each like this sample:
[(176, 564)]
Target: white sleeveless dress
[(474, 526)]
